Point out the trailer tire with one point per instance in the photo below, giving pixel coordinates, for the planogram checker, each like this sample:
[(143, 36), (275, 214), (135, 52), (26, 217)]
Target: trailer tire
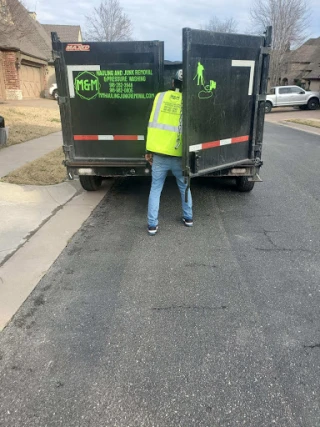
[(243, 185), (90, 183), (313, 104), (268, 107)]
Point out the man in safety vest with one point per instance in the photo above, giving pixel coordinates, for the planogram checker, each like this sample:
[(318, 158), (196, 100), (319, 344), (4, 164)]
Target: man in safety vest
[(164, 147)]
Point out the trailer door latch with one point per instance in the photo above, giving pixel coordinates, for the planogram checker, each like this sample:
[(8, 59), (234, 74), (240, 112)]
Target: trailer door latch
[(62, 100)]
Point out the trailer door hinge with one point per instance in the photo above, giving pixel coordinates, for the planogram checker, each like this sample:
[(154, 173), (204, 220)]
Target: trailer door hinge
[(258, 162), (265, 50), (62, 100), (261, 97), (67, 148)]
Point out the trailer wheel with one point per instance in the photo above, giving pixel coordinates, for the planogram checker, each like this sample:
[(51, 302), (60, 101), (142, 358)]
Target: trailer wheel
[(243, 185), (90, 183), (313, 104), (268, 107)]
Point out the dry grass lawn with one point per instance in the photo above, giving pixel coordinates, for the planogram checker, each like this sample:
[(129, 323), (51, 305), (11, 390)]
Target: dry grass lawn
[(314, 123), (27, 123), (46, 170)]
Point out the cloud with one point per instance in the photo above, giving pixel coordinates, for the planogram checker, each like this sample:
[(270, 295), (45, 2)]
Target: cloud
[(161, 19)]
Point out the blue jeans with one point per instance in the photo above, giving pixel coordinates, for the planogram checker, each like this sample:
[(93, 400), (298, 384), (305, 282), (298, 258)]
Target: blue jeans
[(160, 167)]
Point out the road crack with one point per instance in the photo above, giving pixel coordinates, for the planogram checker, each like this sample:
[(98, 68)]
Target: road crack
[(276, 248), (312, 346), (188, 307)]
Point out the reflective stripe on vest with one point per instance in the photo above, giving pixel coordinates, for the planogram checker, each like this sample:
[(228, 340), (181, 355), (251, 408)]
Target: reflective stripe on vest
[(164, 127), (158, 107)]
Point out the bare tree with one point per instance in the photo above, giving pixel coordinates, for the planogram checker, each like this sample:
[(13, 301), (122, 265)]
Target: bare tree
[(218, 26), (289, 20), (108, 23)]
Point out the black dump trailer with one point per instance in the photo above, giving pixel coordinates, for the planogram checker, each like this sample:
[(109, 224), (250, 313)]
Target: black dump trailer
[(106, 92)]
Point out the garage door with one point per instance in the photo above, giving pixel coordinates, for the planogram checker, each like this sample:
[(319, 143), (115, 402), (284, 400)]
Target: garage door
[(30, 80), (1, 87), (1, 81)]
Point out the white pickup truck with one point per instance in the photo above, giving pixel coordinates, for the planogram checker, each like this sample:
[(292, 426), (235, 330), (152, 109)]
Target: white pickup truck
[(53, 91), (290, 96)]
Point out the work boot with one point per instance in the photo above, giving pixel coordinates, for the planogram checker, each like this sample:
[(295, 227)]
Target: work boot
[(187, 222), (152, 230)]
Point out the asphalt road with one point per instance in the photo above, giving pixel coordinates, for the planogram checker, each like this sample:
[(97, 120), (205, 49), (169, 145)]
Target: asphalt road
[(218, 325)]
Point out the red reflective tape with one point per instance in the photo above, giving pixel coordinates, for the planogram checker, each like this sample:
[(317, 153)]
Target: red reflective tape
[(240, 139), (211, 144), (85, 137), (125, 137)]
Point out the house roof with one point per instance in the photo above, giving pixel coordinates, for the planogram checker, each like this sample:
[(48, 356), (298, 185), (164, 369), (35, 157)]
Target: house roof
[(43, 43), (66, 33), (25, 33), (308, 52), (304, 62), (314, 73)]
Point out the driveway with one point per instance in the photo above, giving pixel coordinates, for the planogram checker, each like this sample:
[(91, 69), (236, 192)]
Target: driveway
[(281, 114), (35, 103)]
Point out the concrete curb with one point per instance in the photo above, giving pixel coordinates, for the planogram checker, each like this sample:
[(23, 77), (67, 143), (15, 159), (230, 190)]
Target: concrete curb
[(297, 126), (26, 208), (37, 255)]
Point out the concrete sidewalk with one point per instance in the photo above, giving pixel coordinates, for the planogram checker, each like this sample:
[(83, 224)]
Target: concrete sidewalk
[(286, 113), (21, 273), (36, 223), (23, 209), (17, 155)]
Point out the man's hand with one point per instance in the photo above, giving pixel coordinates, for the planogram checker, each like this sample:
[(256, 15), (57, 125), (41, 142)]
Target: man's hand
[(149, 158)]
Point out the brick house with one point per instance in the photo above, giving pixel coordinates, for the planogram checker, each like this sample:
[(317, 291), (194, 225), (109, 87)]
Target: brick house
[(302, 67), (26, 64)]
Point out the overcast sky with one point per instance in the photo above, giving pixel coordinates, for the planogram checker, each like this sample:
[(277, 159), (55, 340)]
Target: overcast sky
[(160, 19)]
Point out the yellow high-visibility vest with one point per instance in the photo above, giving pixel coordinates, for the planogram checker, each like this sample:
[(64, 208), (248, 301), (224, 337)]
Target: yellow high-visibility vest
[(164, 132)]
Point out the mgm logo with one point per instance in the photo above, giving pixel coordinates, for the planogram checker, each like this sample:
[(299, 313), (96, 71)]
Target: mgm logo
[(87, 85)]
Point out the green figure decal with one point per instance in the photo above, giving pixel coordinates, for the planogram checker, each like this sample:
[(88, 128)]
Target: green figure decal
[(207, 91), (199, 74), (213, 84)]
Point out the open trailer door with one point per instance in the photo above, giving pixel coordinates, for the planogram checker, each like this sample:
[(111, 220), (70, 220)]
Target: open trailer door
[(106, 92), (225, 83)]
